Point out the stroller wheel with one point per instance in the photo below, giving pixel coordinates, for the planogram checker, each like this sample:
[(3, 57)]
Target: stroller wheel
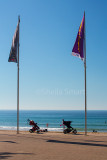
[(30, 130), (46, 130), (74, 131), (38, 131), (65, 131)]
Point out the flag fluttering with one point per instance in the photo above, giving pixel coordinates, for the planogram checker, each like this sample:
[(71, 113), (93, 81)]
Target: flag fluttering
[(14, 47), (78, 49)]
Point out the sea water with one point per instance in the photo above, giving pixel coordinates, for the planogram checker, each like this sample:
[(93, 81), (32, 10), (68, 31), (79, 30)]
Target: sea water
[(96, 120)]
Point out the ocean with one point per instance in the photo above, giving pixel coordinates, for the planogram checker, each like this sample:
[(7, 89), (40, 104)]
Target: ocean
[(96, 120)]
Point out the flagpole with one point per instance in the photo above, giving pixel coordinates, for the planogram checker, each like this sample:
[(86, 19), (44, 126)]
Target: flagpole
[(85, 77), (18, 82)]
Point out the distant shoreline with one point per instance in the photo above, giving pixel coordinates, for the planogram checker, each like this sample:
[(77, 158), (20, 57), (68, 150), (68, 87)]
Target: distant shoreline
[(96, 120)]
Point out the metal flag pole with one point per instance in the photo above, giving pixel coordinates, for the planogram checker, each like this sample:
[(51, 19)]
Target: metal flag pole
[(79, 50), (18, 80), (85, 77)]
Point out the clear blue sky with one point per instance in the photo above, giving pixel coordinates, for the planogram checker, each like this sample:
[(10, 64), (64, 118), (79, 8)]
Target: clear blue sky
[(50, 78)]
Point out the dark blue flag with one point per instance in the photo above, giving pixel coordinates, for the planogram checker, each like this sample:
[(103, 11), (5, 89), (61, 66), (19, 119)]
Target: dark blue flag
[(14, 47)]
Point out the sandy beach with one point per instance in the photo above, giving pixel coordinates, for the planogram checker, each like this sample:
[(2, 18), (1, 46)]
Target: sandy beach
[(52, 146)]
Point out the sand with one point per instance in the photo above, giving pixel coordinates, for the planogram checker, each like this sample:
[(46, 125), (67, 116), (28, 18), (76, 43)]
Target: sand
[(52, 146)]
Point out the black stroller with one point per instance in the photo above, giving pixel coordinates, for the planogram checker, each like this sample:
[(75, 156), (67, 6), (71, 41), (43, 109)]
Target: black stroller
[(69, 128)]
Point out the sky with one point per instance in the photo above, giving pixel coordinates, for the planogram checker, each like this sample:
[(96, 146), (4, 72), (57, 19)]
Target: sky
[(50, 77)]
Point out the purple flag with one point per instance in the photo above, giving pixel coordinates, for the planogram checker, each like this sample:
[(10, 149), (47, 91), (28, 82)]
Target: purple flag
[(78, 49), (13, 51)]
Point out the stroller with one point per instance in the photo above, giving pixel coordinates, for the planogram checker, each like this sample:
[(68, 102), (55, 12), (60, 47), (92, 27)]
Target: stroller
[(35, 127), (69, 128)]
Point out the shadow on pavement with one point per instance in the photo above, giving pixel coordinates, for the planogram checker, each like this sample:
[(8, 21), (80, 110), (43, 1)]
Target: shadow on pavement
[(78, 143)]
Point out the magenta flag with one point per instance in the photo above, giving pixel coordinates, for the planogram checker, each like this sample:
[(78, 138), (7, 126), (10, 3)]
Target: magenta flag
[(78, 49)]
